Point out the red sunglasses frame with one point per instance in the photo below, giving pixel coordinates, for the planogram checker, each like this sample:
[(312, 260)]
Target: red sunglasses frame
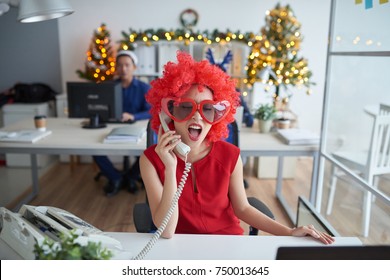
[(195, 107)]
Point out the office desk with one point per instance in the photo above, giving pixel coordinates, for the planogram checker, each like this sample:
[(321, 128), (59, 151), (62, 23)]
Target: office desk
[(68, 138), (253, 143), (205, 247)]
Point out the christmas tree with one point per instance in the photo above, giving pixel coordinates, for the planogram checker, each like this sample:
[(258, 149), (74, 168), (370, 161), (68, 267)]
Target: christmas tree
[(277, 48), (100, 63)]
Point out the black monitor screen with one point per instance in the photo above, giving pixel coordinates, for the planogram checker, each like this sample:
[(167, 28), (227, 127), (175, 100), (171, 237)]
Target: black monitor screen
[(87, 99), (330, 252)]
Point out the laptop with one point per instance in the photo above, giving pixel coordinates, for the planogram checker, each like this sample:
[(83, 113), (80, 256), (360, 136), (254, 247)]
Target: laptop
[(307, 214), (374, 252)]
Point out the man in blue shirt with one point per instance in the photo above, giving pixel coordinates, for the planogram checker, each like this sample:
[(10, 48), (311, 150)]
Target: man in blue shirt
[(135, 108)]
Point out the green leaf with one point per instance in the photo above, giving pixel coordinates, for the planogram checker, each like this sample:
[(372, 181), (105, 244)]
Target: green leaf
[(68, 249)]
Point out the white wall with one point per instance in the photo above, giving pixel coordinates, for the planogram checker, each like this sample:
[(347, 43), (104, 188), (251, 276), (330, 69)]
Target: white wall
[(76, 30)]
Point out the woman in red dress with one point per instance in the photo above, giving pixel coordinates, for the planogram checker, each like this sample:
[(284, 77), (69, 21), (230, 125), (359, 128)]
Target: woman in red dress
[(201, 101)]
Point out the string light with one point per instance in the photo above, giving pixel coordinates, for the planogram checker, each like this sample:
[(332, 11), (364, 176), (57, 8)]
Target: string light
[(277, 47), (100, 64), (183, 35)]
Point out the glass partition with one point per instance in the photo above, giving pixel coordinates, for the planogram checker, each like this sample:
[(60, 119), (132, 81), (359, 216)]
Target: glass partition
[(360, 29), (356, 87), (358, 75)]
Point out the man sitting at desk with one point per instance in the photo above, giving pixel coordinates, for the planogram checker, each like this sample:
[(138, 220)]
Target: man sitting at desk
[(135, 108)]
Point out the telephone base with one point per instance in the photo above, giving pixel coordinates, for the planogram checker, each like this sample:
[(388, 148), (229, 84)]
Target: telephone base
[(21, 231), (18, 235)]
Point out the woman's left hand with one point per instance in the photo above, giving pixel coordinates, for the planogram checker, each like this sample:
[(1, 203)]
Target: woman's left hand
[(312, 231)]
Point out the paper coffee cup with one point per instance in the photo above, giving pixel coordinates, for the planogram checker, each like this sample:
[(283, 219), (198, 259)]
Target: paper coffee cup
[(40, 122)]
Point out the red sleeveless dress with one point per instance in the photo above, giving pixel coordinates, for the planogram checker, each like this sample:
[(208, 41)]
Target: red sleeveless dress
[(205, 209)]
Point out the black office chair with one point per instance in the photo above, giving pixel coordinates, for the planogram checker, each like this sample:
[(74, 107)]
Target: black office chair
[(234, 139), (141, 213)]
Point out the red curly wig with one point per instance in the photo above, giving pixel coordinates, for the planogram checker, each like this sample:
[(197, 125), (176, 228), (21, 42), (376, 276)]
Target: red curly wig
[(179, 77)]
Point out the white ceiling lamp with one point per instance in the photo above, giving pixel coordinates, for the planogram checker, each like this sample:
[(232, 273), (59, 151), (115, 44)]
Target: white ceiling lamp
[(3, 8), (40, 10)]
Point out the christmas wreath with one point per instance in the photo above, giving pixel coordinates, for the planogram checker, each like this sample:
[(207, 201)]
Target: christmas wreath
[(189, 18)]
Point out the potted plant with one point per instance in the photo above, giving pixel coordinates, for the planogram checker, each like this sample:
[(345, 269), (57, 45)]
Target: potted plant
[(69, 247), (265, 113)]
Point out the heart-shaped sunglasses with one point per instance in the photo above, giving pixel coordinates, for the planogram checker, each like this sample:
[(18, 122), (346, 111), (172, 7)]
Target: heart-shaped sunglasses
[(183, 109)]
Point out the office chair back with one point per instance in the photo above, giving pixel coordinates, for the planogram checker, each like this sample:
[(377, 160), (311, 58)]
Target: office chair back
[(151, 136), (234, 134), (141, 213)]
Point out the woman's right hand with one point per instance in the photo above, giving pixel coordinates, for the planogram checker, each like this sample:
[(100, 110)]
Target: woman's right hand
[(310, 230), (165, 145)]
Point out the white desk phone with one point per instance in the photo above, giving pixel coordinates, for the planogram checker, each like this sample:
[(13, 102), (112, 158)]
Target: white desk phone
[(181, 148), (22, 230)]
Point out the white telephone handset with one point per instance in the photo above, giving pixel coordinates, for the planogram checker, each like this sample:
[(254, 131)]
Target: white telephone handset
[(181, 148)]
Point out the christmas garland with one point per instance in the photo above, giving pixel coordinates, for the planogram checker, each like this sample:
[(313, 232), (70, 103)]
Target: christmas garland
[(150, 36)]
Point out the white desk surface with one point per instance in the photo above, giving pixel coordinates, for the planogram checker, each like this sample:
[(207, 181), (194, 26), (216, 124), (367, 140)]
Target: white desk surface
[(68, 137), (206, 247), (253, 143)]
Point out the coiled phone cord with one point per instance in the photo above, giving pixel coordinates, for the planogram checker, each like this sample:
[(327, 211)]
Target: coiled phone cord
[(167, 217)]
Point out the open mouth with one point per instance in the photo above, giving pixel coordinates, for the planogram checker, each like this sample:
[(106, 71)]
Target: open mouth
[(194, 132)]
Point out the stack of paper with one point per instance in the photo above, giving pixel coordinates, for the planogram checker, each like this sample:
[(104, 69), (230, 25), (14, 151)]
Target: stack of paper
[(296, 136), (23, 136), (125, 134)]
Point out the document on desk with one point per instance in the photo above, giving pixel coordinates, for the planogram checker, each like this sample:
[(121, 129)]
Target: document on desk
[(297, 136), (23, 136), (125, 134)]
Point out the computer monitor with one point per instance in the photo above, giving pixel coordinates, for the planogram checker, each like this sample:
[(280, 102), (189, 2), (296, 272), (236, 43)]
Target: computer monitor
[(95, 100)]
